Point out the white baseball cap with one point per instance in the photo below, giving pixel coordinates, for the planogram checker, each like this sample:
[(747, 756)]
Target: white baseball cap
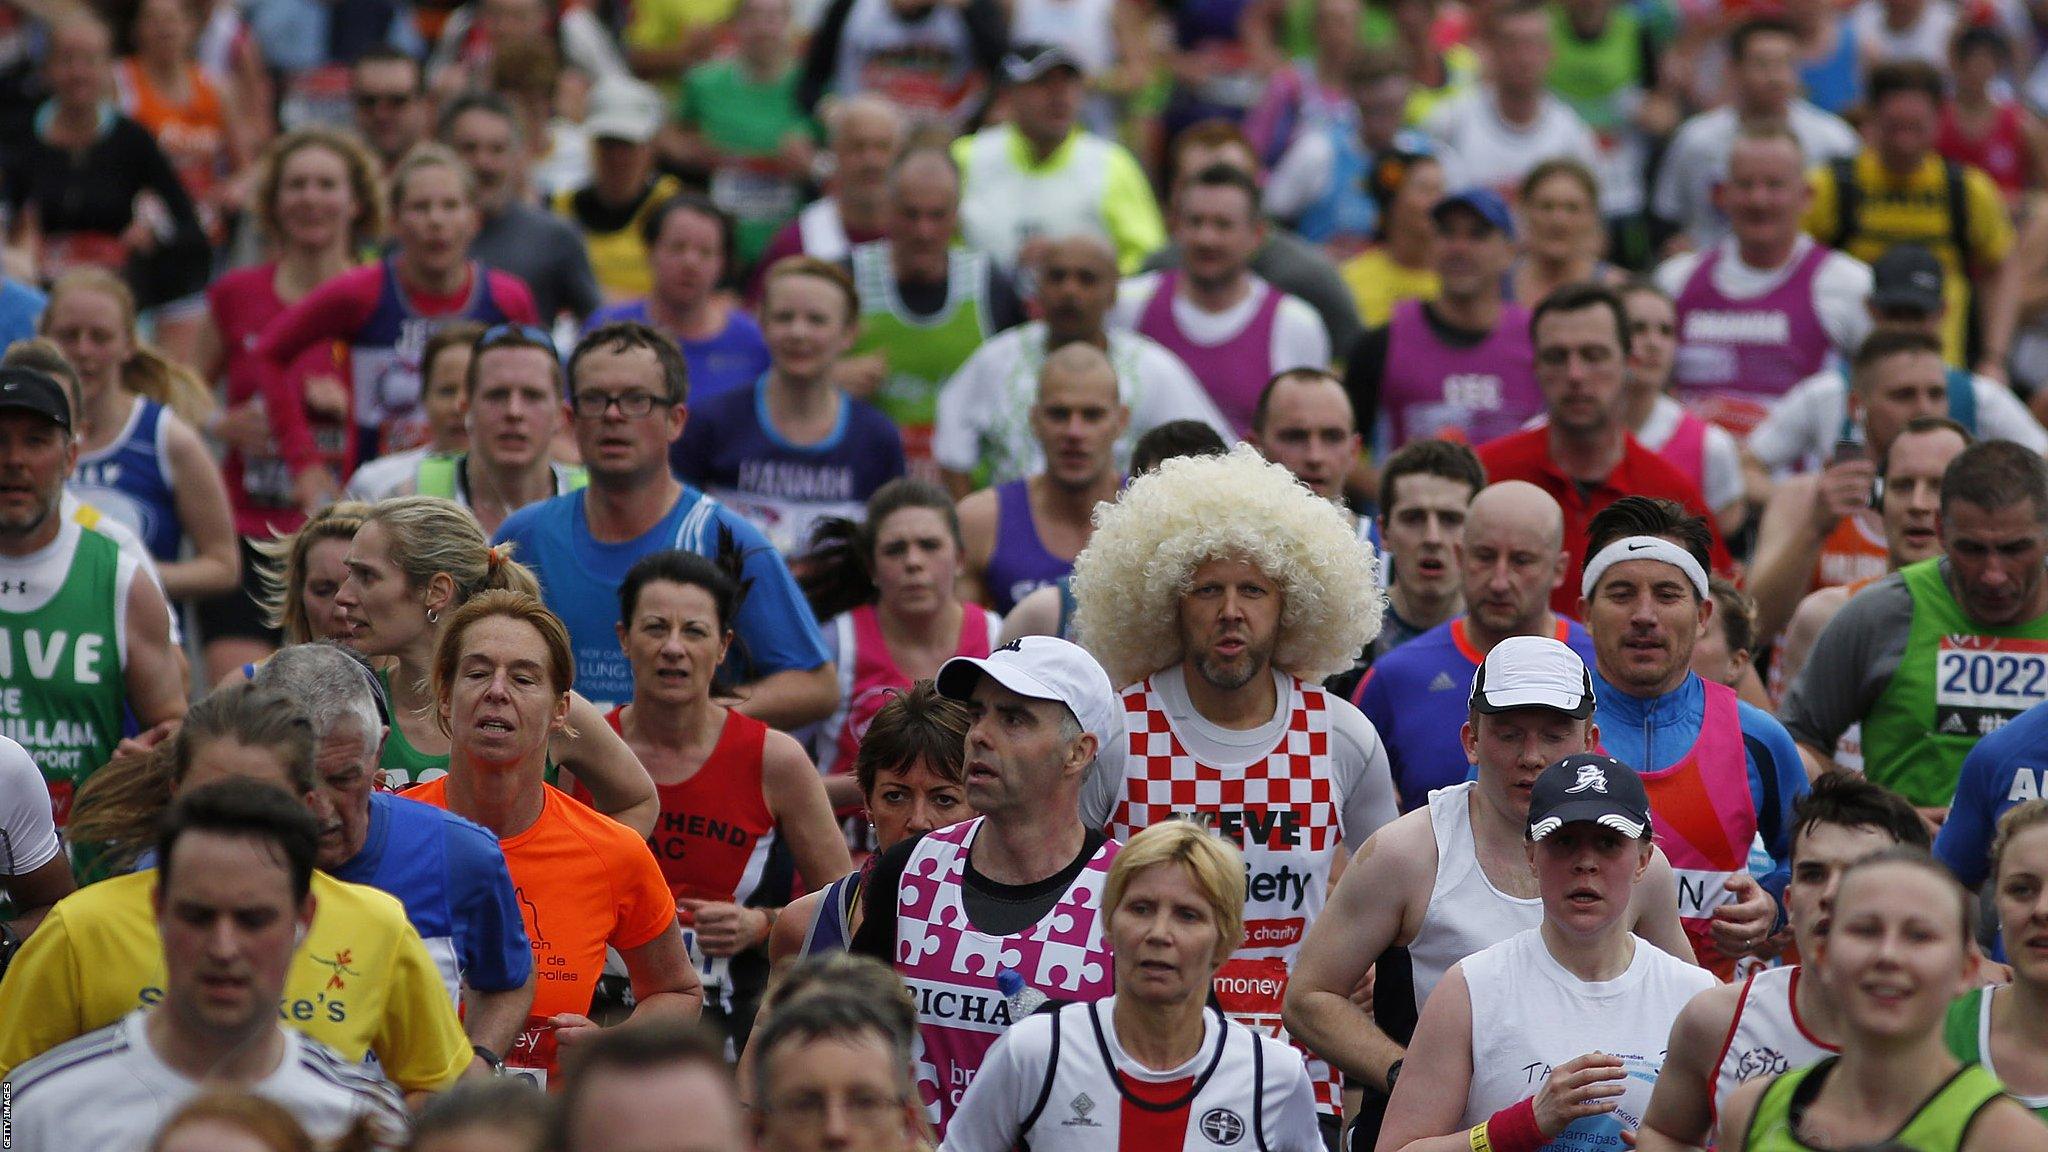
[(1533, 672), (1044, 668), (623, 110)]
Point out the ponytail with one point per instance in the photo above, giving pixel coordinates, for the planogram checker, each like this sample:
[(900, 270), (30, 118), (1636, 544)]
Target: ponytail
[(117, 807), (501, 571), (155, 376), (834, 574)]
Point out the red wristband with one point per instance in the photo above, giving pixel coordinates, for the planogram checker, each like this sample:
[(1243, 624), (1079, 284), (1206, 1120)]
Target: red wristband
[(1513, 1129)]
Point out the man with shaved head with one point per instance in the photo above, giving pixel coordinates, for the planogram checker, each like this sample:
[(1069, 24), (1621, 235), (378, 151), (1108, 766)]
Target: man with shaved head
[(1513, 561), (926, 302), (984, 433), (1023, 535)]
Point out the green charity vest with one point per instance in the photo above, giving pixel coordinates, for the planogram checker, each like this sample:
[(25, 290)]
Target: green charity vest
[(923, 352), (1957, 683), (1967, 1022), (1587, 74), (61, 685), (1938, 1126), (437, 473)]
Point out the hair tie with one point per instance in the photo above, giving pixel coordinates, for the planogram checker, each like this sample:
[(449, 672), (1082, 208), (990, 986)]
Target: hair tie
[(494, 557)]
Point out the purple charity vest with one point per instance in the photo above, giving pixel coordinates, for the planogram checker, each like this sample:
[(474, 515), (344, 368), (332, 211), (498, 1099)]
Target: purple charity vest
[(1738, 357), (951, 969), (1433, 389), (1233, 372), (1019, 564)]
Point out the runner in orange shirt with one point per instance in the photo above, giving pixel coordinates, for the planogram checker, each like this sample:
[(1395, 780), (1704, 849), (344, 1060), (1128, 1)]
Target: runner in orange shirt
[(501, 676)]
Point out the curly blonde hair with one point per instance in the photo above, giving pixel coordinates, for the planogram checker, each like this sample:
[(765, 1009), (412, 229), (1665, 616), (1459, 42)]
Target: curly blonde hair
[(1195, 509)]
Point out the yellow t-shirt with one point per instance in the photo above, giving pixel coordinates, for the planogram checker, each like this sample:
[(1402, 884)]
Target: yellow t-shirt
[(1377, 284), (362, 982), (1916, 210), (619, 256)]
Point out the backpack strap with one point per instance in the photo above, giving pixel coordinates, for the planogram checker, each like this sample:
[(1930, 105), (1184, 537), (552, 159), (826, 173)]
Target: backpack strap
[(1848, 201), (1958, 213)]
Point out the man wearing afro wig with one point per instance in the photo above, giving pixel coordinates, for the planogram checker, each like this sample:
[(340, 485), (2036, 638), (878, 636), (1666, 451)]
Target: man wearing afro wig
[(1222, 592)]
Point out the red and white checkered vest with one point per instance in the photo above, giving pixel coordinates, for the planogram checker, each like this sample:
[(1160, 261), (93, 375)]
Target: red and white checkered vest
[(951, 969), (1284, 814)]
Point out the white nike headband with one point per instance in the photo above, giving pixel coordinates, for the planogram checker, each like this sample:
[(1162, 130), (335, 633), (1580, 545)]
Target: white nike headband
[(1643, 548)]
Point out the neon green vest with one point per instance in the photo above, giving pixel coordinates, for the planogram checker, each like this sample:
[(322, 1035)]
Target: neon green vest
[(61, 685), (437, 474), (1586, 75), (1956, 683), (1938, 1126), (1966, 1023), (923, 352)]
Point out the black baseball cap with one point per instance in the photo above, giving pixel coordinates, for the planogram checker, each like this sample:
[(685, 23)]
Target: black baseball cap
[(27, 390), (1591, 787), (1906, 276)]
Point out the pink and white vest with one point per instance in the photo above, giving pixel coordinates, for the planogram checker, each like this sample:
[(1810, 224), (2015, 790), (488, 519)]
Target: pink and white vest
[(1234, 372), (950, 967), (1738, 357), (1476, 394), (1287, 818)]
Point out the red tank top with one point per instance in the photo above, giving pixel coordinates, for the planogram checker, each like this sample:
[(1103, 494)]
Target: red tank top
[(2001, 151), (715, 830)]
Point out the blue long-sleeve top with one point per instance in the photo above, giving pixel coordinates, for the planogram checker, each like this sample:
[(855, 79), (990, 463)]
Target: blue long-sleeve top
[(1652, 733)]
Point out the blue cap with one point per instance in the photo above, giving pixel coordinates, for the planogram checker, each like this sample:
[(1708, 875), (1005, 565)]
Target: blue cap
[(1484, 202)]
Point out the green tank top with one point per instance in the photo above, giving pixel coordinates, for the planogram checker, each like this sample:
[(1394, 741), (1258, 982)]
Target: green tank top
[(405, 765), (437, 476), (60, 666), (1587, 74), (1939, 1125), (1967, 1032), (1956, 683), (923, 351)]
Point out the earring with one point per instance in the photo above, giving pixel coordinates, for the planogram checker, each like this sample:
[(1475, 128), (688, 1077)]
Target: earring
[(433, 616)]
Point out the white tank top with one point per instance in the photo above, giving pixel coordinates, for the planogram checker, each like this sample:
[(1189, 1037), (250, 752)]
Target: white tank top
[(1767, 1037), (1529, 1014), (1466, 912)]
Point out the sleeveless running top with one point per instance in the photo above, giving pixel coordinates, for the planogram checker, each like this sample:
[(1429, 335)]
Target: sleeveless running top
[(1232, 372), (1530, 1014), (384, 360), (130, 479), (1736, 357), (869, 676), (1705, 821), (1020, 564), (2002, 151), (1939, 1125), (832, 928), (1283, 812), (1466, 913), (950, 966), (1968, 1035), (1854, 550), (1767, 1037), (192, 133), (1432, 389)]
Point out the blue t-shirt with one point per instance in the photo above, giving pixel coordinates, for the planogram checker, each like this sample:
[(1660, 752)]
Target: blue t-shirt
[(1651, 734), (728, 361), (1418, 695), (579, 578), (730, 448), (2005, 769), (451, 877), (20, 307)]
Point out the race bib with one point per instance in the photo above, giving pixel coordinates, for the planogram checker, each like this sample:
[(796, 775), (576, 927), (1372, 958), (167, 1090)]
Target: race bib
[(751, 195), (1982, 682), (1251, 992), (533, 1053)]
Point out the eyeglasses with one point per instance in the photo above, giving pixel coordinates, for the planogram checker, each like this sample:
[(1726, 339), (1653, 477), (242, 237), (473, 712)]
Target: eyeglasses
[(517, 334), (632, 405), (867, 1109), (369, 100)]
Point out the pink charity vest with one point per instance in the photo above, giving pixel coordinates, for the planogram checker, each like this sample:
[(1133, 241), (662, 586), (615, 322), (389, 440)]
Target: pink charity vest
[(1283, 813), (1687, 449), (951, 969), (1233, 372), (1705, 821), (876, 677), (1430, 389), (1738, 357)]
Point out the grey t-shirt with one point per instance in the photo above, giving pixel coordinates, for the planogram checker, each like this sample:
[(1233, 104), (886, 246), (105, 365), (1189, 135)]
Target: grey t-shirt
[(1293, 265), (547, 252), (1852, 662)]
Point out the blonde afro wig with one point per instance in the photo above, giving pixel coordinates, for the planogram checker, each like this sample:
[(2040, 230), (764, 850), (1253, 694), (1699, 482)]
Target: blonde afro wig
[(1194, 509)]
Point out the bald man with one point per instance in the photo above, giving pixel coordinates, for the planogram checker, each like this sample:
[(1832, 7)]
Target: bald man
[(863, 134), (1514, 557), (984, 433), (1024, 535)]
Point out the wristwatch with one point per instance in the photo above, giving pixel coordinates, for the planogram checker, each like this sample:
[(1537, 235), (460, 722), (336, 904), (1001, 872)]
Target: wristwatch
[(489, 1057)]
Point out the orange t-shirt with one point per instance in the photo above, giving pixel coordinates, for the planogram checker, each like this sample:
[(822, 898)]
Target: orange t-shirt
[(584, 881)]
